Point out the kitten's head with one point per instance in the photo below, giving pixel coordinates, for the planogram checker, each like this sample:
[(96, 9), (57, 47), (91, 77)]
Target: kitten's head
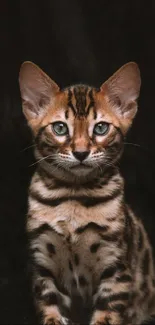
[(79, 129)]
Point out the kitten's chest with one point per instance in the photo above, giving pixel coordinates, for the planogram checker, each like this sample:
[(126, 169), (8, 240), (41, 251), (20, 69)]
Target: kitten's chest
[(68, 217), (66, 209), (81, 236)]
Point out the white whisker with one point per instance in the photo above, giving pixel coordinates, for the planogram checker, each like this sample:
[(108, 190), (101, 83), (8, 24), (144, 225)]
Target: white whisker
[(33, 145), (41, 159), (133, 144)]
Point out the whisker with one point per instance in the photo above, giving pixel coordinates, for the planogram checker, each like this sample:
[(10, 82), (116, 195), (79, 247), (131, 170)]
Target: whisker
[(134, 144), (98, 165), (41, 159), (33, 145), (109, 164)]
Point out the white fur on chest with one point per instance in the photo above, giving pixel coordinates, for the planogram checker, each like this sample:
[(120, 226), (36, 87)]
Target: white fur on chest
[(70, 215)]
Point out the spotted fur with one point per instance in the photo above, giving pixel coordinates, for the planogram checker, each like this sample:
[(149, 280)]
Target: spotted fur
[(90, 255)]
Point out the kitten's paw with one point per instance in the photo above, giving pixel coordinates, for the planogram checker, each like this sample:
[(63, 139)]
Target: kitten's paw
[(57, 321), (101, 322), (52, 316), (107, 318), (100, 318)]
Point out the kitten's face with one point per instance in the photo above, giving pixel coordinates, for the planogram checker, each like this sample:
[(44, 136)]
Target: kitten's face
[(79, 129), (79, 133)]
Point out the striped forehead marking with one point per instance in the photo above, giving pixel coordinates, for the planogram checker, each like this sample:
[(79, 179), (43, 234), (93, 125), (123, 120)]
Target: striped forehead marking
[(81, 100)]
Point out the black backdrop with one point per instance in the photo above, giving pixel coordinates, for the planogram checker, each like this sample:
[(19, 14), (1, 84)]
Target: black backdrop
[(73, 41)]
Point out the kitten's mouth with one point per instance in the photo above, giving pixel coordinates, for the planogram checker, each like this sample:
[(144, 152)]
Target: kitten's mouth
[(81, 166)]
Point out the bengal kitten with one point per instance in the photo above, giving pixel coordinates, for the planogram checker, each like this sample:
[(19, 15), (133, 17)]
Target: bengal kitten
[(90, 255)]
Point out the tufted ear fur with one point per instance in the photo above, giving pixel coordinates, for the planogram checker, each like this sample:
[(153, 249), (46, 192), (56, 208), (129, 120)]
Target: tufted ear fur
[(122, 91), (37, 90)]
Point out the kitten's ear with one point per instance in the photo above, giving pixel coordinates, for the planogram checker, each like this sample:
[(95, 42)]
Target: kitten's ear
[(36, 89), (122, 90)]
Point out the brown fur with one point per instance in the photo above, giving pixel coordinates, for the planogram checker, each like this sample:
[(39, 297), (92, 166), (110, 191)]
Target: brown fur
[(88, 250)]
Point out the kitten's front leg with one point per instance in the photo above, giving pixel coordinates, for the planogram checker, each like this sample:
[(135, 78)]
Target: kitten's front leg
[(47, 264), (112, 301), (51, 304)]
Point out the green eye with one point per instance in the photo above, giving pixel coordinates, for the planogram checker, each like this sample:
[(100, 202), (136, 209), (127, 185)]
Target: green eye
[(60, 128), (101, 128)]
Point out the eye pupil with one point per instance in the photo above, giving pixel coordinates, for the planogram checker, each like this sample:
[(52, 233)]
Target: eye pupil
[(101, 128), (60, 128)]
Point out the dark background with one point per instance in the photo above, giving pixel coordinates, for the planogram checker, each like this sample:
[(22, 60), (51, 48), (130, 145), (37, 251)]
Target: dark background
[(73, 41)]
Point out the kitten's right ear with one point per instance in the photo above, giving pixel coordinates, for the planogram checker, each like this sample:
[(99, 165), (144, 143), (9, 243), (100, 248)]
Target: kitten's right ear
[(122, 91), (37, 89)]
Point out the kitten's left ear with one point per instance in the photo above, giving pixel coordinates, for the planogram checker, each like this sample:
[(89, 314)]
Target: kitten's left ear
[(36, 89), (122, 90)]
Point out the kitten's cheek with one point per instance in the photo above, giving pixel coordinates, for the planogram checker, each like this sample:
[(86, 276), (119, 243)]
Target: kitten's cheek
[(99, 139), (61, 139)]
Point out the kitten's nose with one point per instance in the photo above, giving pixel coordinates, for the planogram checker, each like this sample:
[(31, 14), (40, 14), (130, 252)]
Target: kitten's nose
[(81, 155)]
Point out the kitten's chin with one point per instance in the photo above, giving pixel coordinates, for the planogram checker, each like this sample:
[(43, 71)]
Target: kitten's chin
[(81, 170)]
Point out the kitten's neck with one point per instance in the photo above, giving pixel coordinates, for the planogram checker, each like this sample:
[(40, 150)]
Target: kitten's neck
[(66, 177)]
